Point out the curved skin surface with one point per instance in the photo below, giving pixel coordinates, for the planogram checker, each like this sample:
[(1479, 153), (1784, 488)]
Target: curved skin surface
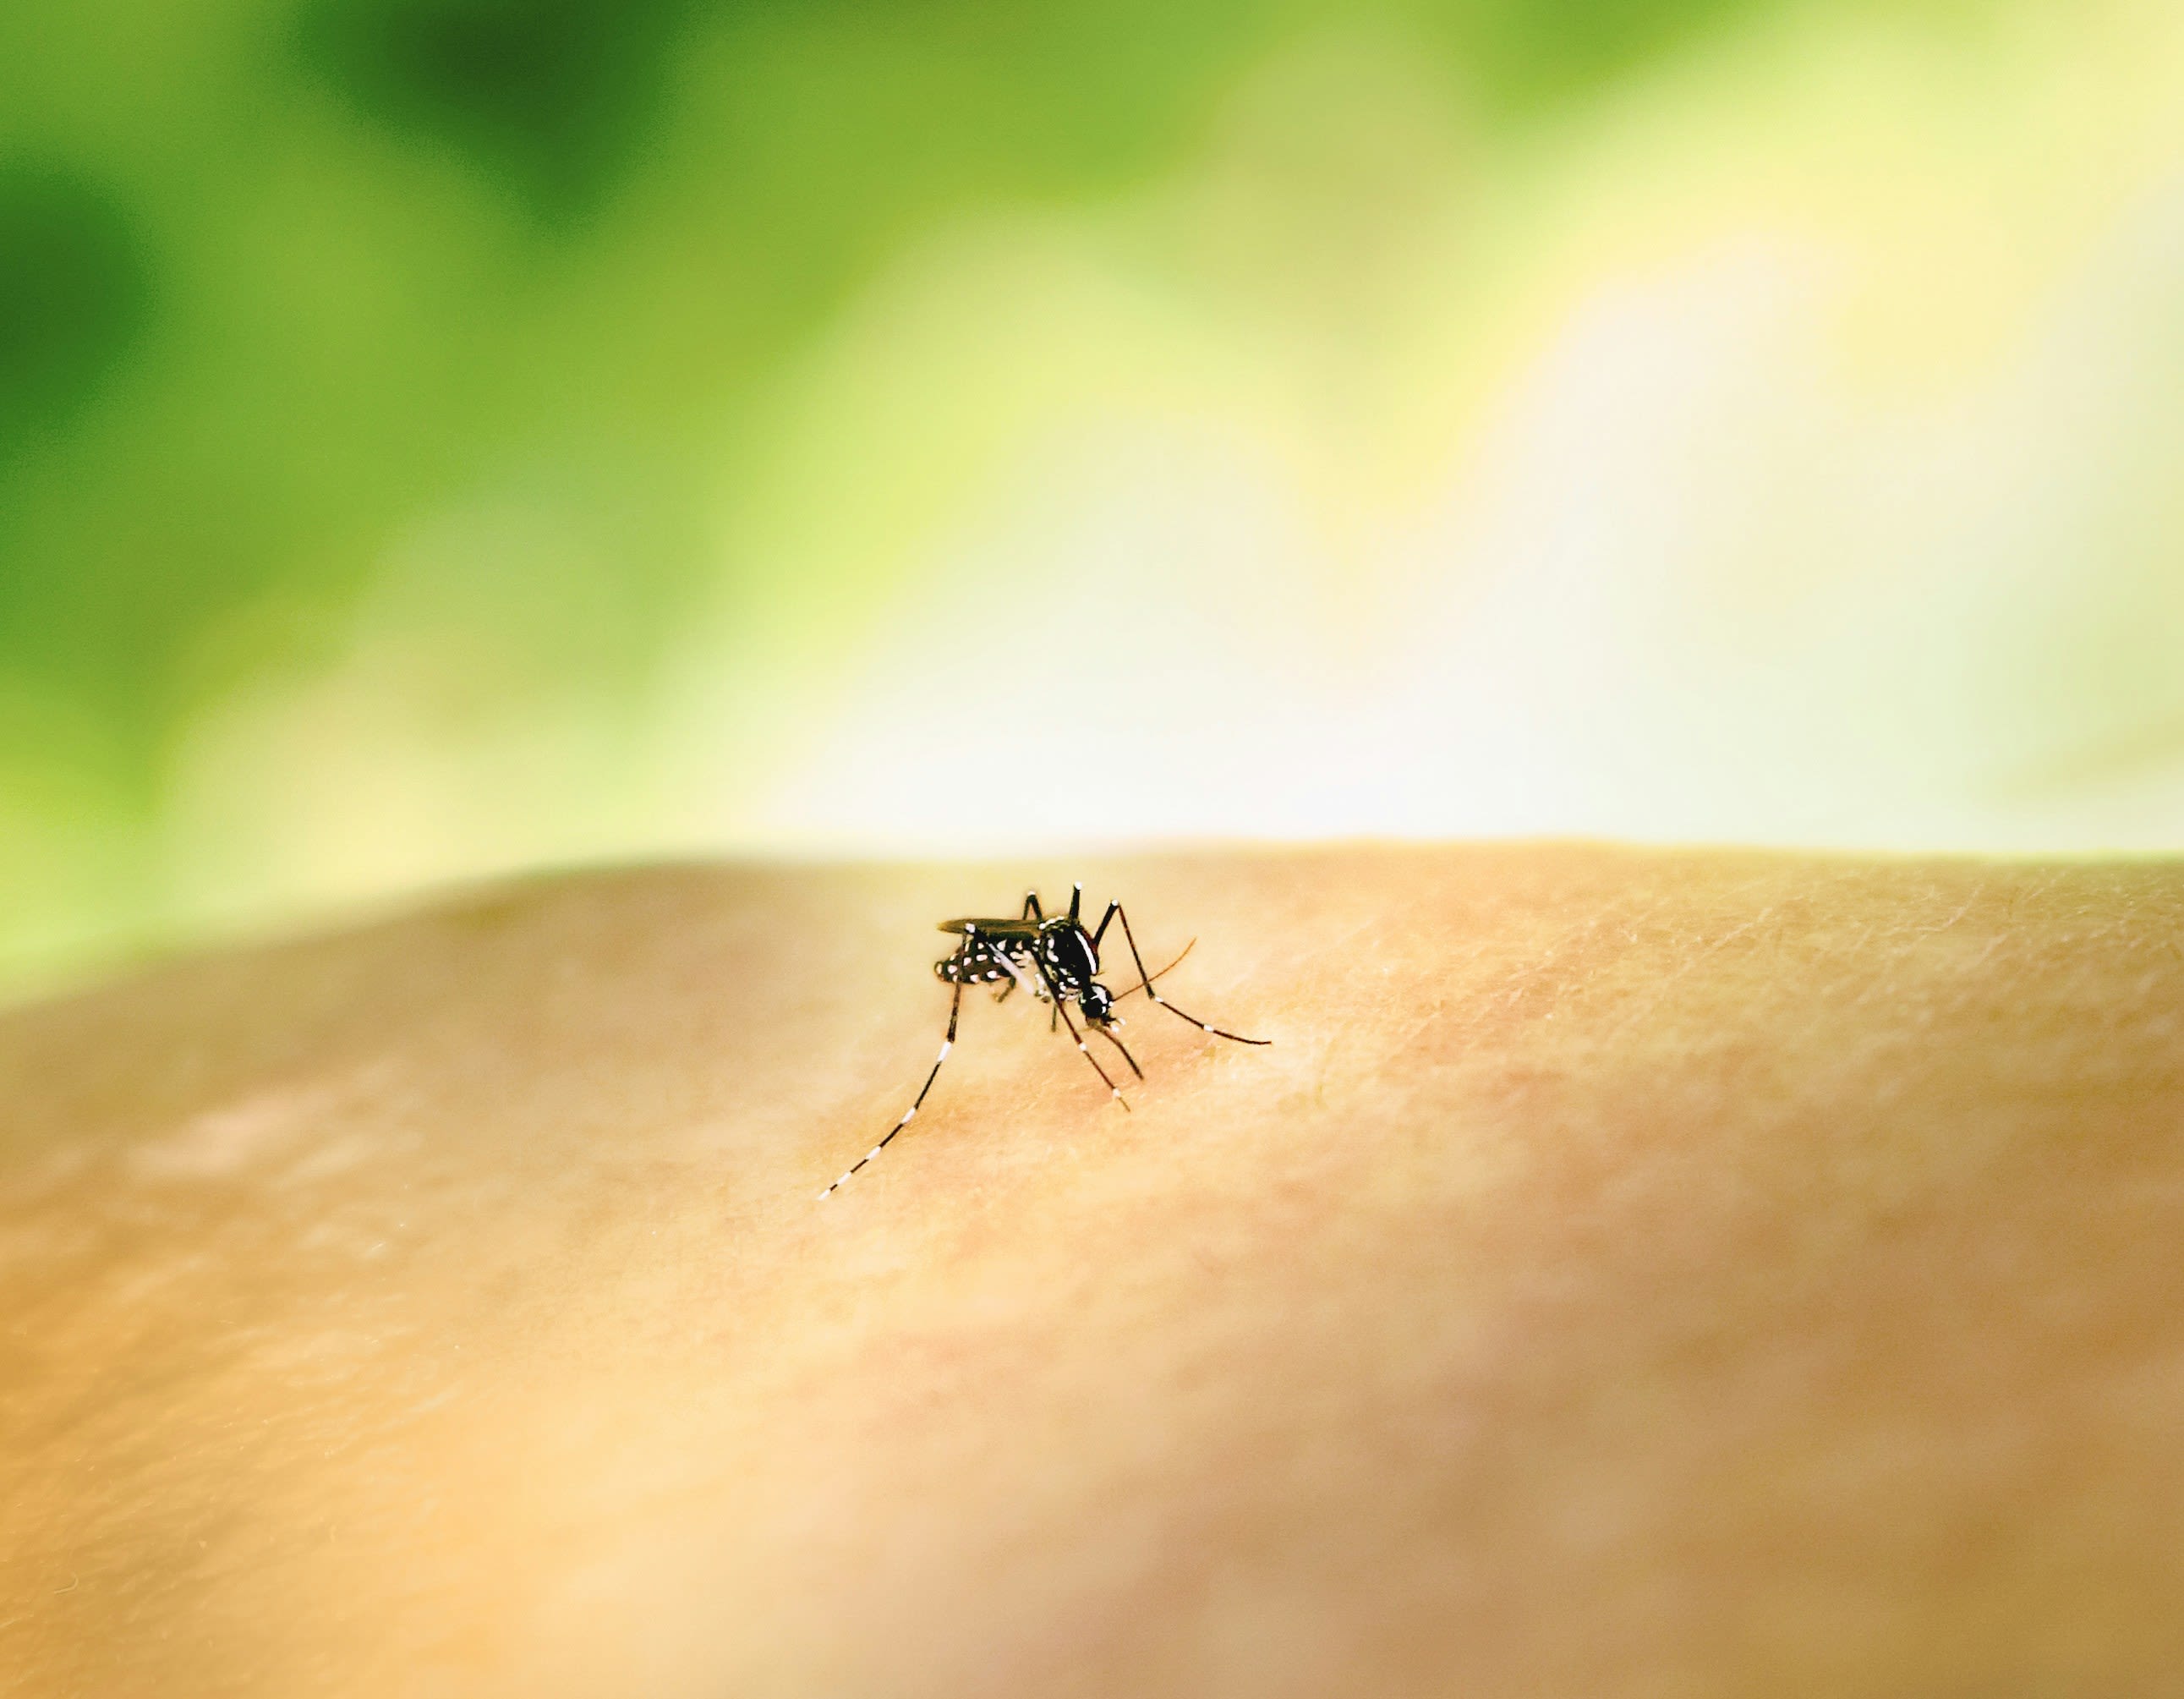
[(1629, 1273)]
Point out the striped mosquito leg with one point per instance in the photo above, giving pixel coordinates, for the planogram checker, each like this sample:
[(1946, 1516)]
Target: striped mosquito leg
[(1118, 1044), (1077, 1037), (909, 1115), (1118, 912)]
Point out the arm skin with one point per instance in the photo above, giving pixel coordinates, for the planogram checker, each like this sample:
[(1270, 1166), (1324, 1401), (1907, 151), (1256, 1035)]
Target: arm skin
[(1627, 1274)]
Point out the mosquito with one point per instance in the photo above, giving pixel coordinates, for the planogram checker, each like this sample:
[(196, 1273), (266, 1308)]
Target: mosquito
[(1056, 960)]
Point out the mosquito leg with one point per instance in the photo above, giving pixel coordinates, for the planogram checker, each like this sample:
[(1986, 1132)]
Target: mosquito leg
[(1115, 911), (909, 1115), (1117, 1043), (1032, 911), (1077, 1037)]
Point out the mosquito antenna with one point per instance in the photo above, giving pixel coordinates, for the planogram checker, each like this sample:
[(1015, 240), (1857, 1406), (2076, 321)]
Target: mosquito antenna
[(1146, 981), (1123, 915)]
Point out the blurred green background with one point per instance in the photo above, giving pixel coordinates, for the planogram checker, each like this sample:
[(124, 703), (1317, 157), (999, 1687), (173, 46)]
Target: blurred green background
[(445, 437)]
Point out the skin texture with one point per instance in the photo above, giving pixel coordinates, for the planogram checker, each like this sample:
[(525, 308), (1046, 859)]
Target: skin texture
[(1629, 1274)]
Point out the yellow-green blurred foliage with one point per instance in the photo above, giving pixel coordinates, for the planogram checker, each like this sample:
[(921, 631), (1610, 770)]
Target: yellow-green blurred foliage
[(440, 437)]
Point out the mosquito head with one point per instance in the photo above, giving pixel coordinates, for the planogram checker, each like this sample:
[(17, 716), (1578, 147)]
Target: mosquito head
[(1098, 1004)]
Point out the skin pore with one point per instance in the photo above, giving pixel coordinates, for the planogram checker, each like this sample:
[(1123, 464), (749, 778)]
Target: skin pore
[(1627, 1273)]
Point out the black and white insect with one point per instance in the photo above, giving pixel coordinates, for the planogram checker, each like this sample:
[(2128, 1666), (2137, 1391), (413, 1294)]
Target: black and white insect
[(1056, 959)]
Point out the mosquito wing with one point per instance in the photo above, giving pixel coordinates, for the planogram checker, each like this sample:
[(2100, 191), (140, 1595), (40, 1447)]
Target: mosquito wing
[(1000, 929)]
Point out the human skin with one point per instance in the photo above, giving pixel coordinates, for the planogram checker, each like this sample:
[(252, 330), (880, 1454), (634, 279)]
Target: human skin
[(1626, 1273)]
